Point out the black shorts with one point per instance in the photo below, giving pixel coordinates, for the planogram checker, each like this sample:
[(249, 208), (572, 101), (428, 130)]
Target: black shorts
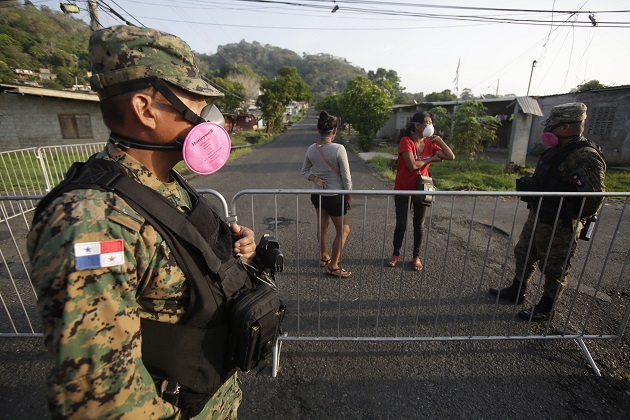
[(331, 203)]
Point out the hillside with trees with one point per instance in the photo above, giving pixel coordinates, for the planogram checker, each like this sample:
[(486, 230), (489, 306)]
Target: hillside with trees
[(324, 73), (34, 38)]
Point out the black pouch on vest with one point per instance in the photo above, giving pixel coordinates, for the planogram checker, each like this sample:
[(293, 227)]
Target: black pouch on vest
[(255, 318), (527, 183), (183, 350)]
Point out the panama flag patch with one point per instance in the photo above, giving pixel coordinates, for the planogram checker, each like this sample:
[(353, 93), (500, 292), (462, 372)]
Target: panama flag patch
[(100, 254)]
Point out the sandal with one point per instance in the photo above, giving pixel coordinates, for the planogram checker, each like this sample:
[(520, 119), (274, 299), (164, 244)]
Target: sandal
[(323, 263), (393, 261), (338, 272), (416, 263)]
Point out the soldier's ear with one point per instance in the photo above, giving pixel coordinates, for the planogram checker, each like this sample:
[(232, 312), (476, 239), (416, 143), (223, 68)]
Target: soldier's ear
[(144, 112)]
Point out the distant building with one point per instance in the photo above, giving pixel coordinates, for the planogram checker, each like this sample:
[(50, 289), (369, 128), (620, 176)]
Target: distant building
[(606, 122), (36, 117), (243, 121), (45, 74)]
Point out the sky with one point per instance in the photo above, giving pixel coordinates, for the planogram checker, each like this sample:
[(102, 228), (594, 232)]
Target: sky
[(455, 46)]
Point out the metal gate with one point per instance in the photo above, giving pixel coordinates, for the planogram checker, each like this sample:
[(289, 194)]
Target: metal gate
[(467, 249)]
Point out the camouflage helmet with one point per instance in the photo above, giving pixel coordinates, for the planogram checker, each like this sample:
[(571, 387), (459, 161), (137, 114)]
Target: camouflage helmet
[(573, 112), (123, 54)]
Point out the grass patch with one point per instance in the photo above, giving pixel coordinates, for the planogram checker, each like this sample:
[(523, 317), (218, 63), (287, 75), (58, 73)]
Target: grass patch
[(479, 175), (617, 181)]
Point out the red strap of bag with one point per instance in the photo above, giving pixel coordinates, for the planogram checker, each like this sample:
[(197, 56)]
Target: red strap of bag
[(319, 148)]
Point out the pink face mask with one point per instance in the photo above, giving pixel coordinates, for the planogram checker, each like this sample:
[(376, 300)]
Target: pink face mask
[(206, 148), (549, 139)]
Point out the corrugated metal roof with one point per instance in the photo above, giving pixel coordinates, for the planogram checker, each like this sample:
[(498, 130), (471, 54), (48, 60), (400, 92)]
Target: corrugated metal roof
[(529, 105), (62, 94)]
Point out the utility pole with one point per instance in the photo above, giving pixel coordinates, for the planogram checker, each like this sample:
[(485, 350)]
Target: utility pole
[(497, 94), (530, 76), (94, 23)]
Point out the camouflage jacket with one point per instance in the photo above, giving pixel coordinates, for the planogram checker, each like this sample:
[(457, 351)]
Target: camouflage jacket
[(585, 169), (91, 315), (578, 167)]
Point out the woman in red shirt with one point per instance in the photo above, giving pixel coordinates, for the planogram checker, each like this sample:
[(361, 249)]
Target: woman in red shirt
[(417, 149)]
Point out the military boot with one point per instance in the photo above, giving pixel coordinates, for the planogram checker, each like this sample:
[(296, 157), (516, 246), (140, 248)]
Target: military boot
[(511, 292), (540, 312)]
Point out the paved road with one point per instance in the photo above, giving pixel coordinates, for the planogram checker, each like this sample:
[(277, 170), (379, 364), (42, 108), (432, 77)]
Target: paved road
[(357, 380)]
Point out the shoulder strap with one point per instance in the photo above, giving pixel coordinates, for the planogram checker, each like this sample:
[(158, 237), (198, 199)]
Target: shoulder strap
[(108, 175), (168, 215), (319, 148)]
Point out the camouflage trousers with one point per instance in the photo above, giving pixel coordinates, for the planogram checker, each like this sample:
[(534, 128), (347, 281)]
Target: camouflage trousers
[(549, 250), (224, 403)]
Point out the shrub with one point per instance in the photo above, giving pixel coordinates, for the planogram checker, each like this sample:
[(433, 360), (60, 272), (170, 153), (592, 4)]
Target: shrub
[(364, 142)]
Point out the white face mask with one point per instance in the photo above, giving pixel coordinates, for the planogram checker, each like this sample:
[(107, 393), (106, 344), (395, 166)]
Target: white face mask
[(428, 131)]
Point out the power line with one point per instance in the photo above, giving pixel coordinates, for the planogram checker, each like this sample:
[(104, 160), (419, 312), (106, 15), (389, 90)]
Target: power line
[(508, 19), (129, 14)]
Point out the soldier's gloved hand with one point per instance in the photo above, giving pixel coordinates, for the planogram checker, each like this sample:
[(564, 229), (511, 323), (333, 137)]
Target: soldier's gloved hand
[(245, 246)]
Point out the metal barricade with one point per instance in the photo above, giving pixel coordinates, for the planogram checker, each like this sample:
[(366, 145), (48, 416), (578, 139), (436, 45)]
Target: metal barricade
[(18, 314), (20, 175), (56, 160), (36, 171), (467, 248)]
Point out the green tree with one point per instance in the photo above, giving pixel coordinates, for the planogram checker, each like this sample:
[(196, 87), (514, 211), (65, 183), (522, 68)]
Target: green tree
[(277, 94), (472, 128), (243, 75), (32, 38), (414, 98), (389, 80), (444, 96), (467, 95), (366, 106), (64, 76), (441, 122), (6, 74), (332, 104), (592, 84), (234, 97), (52, 84)]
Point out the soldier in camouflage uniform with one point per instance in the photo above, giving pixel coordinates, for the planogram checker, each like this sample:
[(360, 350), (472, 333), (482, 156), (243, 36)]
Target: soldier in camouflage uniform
[(573, 165), (91, 311)]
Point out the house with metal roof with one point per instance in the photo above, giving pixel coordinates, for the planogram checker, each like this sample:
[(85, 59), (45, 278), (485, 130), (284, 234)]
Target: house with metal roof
[(36, 117), (522, 119)]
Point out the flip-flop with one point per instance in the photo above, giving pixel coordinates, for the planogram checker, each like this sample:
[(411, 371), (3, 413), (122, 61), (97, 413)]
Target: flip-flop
[(323, 263), (338, 272), (416, 263), (393, 261)]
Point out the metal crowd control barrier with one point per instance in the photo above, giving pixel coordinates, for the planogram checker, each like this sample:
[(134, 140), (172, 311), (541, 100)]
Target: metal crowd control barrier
[(467, 248), (35, 171)]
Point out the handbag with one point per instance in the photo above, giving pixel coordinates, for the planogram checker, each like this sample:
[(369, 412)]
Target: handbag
[(425, 183)]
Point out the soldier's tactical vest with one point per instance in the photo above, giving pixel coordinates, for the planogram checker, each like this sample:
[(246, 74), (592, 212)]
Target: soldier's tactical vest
[(194, 352), (547, 177)]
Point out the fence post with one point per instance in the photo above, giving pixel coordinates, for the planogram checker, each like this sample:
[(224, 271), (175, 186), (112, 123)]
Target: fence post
[(40, 158)]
